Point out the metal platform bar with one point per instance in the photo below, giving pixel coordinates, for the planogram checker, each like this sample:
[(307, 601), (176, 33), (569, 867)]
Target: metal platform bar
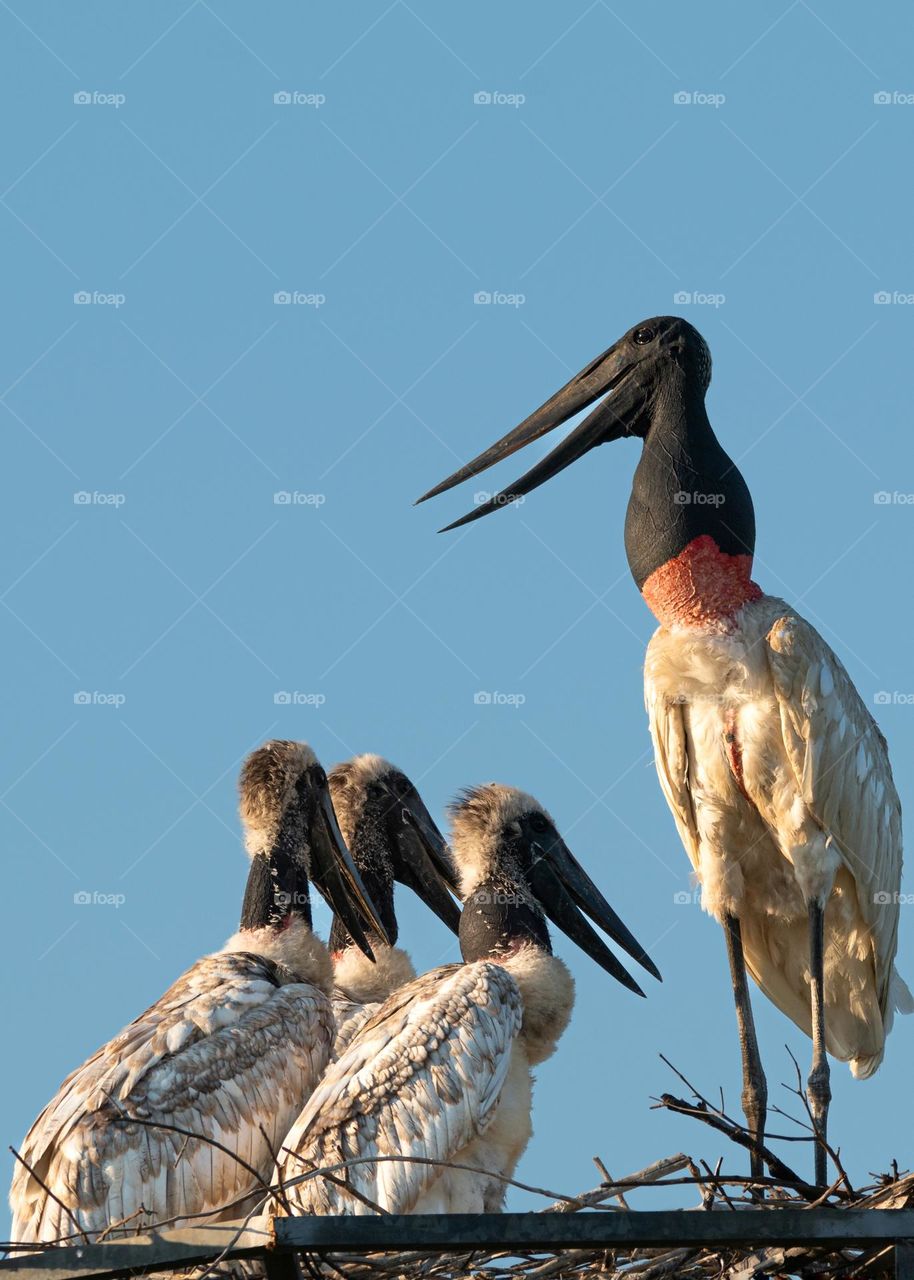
[(440, 1233)]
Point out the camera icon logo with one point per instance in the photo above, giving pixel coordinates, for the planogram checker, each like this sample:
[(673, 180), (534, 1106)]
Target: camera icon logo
[(282, 699), (81, 98), (682, 898), (682, 498), (682, 98), (881, 898), (82, 298), (482, 298), (882, 98), (882, 297), (282, 298), (83, 698), (682, 298), (482, 98), (482, 698), (882, 498), (882, 698), (283, 98), (283, 498)]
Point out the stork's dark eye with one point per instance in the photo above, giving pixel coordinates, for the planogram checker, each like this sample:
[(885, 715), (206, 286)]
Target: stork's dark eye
[(538, 822), (320, 778), (644, 335)]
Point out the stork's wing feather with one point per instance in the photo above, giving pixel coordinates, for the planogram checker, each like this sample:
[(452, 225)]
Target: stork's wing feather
[(235, 1044), (841, 765), (671, 755), (350, 1016), (422, 1078)]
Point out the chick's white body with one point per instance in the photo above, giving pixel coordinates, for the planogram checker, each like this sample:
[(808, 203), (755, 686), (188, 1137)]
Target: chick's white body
[(441, 1074), (230, 1053)]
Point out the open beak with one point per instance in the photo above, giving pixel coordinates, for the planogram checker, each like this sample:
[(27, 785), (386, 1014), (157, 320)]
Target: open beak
[(612, 372), (422, 860), (562, 886), (335, 876)]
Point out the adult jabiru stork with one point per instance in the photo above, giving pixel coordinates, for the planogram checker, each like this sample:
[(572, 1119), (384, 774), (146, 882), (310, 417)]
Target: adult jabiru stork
[(776, 773), (442, 1072), (393, 839), (229, 1053)]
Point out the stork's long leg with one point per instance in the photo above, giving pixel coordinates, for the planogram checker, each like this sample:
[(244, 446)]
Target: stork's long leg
[(755, 1087), (818, 1086)]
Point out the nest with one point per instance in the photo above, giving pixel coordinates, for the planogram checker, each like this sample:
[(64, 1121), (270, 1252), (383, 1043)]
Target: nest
[(716, 1192)]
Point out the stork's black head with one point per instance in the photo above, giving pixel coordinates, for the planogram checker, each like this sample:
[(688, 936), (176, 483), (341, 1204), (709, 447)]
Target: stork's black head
[(516, 869), (667, 345), (658, 364), (392, 837), (690, 517), (291, 833)]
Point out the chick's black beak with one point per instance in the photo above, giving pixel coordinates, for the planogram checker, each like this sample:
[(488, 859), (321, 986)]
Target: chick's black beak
[(564, 890), (422, 860), (336, 877), (614, 371)]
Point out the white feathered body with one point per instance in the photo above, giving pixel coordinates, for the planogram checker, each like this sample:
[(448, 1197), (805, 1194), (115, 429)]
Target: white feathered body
[(231, 1051), (780, 784), (360, 987), (442, 1073)]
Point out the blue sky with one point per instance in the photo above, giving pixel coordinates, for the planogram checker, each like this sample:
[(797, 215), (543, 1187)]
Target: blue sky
[(532, 154)]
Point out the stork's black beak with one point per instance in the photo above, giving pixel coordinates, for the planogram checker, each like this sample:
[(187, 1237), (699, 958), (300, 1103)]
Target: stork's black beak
[(337, 879), (615, 371), (561, 885), (422, 859)]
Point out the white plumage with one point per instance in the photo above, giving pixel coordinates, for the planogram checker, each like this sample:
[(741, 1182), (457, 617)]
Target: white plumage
[(780, 784), (182, 1113), (441, 1074), (423, 1078), (236, 1043)]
